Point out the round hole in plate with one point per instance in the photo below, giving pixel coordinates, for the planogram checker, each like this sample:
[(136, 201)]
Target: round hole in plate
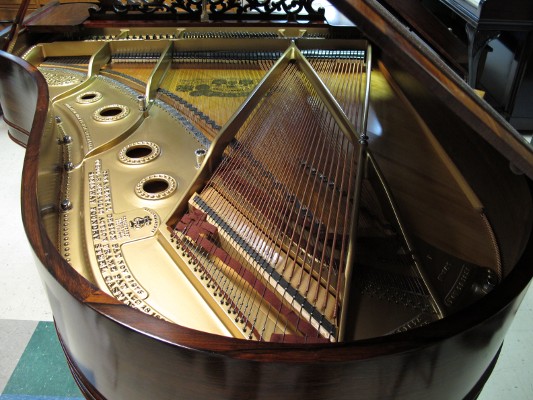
[(88, 96), (139, 151), (110, 112), (155, 186), (113, 112)]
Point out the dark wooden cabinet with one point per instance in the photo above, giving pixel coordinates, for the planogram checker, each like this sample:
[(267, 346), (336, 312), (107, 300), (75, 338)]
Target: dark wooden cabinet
[(489, 43)]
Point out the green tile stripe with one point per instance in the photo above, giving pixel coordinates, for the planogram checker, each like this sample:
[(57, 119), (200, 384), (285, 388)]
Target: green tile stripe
[(42, 371)]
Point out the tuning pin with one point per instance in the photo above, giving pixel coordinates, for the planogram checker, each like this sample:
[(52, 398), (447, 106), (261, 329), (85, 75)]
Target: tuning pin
[(141, 101), (200, 157)]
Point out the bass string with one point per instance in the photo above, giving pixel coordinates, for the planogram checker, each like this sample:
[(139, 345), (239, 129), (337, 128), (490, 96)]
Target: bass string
[(307, 252), (323, 196), (269, 219), (351, 182), (347, 173), (337, 78), (222, 281), (310, 128), (303, 130), (333, 75), (235, 159), (340, 81), (320, 156), (334, 169), (267, 206), (315, 111), (248, 195), (207, 268)]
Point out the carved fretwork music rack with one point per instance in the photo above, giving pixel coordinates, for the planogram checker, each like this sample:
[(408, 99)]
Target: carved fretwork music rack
[(214, 9)]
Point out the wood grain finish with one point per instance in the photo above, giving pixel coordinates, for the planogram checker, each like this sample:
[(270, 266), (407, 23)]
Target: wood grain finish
[(9, 8), (121, 353), (66, 18), (488, 174), (124, 354), (433, 196)]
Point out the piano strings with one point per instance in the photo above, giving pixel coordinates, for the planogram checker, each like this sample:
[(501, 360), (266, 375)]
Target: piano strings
[(215, 82), (280, 204), (271, 229)]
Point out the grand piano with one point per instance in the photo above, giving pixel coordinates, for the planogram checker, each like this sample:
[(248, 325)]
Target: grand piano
[(248, 200)]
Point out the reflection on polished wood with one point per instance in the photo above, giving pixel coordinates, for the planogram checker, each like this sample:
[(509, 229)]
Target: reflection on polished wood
[(433, 184)]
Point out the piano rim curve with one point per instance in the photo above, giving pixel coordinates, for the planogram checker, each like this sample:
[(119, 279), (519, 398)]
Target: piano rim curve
[(489, 316), (81, 290)]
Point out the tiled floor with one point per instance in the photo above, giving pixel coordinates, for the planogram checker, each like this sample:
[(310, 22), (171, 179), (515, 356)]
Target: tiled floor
[(32, 365), (41, 371)]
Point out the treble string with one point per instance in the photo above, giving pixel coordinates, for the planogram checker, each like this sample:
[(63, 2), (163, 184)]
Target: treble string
[(222, 281), (236, 160)]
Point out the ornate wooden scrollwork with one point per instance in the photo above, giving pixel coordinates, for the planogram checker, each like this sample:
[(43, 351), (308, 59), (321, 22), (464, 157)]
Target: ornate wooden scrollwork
[(239, 9)]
